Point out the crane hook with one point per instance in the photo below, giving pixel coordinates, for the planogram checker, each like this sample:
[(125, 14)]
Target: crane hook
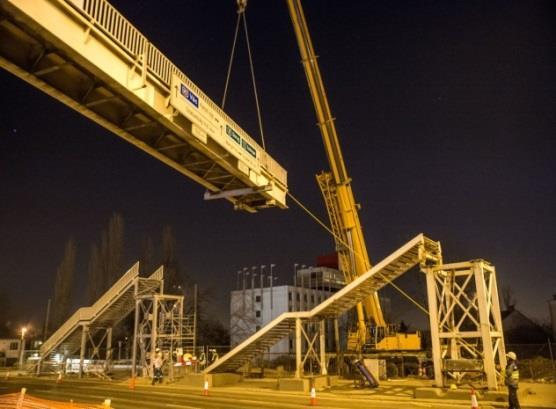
[(241, 5)]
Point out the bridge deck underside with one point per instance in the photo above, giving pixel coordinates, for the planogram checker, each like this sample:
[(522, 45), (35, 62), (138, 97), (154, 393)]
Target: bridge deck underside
[(29, 52)]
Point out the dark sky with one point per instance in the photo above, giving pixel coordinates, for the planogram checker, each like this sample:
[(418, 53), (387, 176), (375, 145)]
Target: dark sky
[(445, 110)]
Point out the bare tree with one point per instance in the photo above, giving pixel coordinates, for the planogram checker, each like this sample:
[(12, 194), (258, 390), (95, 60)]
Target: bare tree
[(171, 282), (106, 261), (4, 313), (147, 262), (94, 275), (115, 254), (64, 284), (508, 297)]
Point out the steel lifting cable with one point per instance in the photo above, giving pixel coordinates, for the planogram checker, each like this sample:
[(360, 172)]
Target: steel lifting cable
[(328, 229), (241, 5)]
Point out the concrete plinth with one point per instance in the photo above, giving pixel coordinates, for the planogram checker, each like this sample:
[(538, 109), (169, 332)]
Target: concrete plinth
[(304, 384), (459, 394), (217, 379)]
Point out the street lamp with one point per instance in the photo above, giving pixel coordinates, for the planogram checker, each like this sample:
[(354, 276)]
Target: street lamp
[(253, 274), (245, 272), (263, 266), (303, 267), (271, 283), (22, 347), (237, 282)]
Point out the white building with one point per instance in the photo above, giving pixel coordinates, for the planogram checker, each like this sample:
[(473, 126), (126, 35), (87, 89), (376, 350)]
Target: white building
[(252, 307), (256, 307), (9, 351)]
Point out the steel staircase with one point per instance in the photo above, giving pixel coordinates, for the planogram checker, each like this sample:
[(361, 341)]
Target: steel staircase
[(114, 305), (420, 250)]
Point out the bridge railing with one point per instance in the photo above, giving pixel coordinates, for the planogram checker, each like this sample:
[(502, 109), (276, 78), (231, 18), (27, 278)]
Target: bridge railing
[(113, 24), (124, 282), (85, 314), (82, 314)]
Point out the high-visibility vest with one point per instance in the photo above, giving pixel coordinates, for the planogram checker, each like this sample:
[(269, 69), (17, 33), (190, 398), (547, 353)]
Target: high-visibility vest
[(512, 375)]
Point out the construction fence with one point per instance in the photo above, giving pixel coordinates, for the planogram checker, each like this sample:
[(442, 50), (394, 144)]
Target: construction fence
[(536, 361), (22, 400)]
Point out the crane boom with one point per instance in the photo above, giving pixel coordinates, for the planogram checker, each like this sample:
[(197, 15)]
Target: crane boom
[(336, 184)]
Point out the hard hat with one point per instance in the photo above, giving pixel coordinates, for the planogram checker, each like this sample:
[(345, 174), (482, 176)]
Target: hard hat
[(511, 355), (157, 350)]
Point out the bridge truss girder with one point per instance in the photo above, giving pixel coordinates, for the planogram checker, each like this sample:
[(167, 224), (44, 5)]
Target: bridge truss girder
[(465, 321)]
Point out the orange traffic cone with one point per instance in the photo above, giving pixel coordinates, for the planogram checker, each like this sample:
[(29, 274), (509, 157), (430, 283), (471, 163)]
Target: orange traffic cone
[(474, 403), (313, 399), (59, 379), (21, 398), (206, 388), (132, 383)]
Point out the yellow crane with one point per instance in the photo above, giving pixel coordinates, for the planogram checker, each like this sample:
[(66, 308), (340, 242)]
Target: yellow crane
[(341, 206)]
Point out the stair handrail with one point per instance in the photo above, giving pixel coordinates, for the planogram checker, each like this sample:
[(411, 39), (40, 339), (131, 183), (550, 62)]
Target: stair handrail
[(427, 250), (123, 282), (82, 314), (87, 314)]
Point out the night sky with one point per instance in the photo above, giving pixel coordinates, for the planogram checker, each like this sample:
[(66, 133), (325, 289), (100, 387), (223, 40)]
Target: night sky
[(446, 114)]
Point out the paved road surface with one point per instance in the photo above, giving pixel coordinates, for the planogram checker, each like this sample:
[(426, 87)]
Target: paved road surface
[(146, 396)]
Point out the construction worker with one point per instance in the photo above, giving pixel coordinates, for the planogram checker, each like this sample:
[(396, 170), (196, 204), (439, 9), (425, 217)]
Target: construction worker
[(157, 366), (511, 379)]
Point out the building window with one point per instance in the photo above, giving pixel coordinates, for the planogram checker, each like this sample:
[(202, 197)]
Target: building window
[(290, 296), (258, 327), (305, 297), (14, 346), (297, 297), (313, 298), (291, 344), (257, 298), (257, 313)]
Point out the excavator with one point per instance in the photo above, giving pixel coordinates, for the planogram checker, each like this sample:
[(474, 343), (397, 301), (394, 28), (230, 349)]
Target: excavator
[(372, 333)]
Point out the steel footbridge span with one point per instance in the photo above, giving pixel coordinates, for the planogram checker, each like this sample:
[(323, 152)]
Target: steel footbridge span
[(90, 57), (418, 251)]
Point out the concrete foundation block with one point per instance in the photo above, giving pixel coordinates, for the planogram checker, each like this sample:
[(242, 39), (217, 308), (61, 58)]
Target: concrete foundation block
[(320, 382), (221, 379), (196, 380), (293, 384), (332, 380), (217, 379), (427, 393)]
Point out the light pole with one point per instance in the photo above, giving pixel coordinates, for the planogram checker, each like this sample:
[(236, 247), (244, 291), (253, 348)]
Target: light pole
[(302, 295), (245, 272), (271, 283), (22, 347), (294, 300), (253, 274), (263, 266)]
